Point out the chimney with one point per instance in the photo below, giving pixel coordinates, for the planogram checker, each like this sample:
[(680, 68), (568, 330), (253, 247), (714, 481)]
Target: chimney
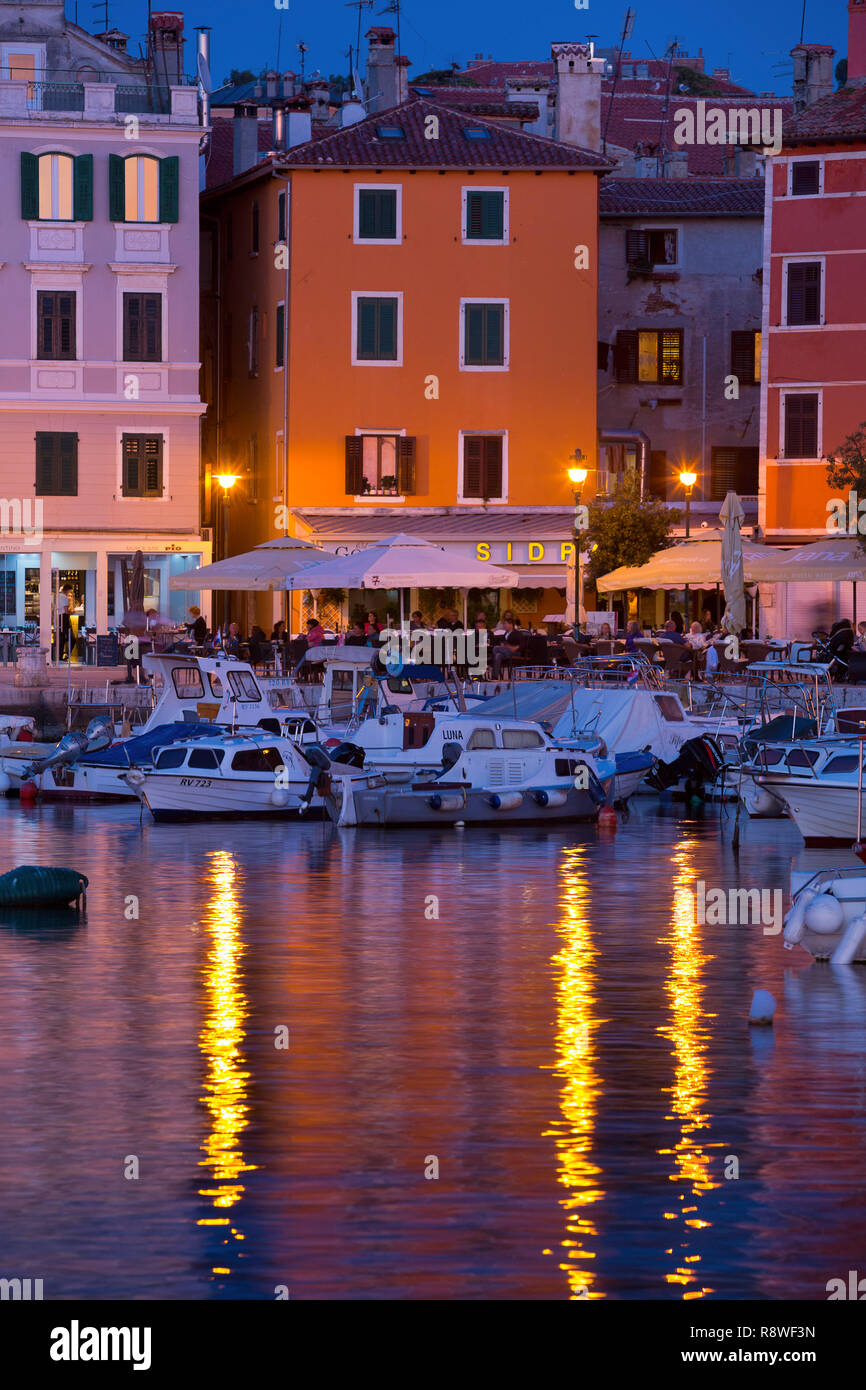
[(353, 110), (202, 56), (676, 164), (813, 73), (856, 42), (299, 129), (290, 84), (387, 79), (246, 137), (166, 35), (318, 92), (578, 95), (273, 89), (278, 139), (531, 89)]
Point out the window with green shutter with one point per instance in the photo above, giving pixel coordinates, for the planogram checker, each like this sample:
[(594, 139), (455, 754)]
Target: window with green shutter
[(142, 465), (484, 335), (142, 327), (83, 188), (377, 214), (116, 188), (29, 187), (142, 188), (377, 329), (482, 466), (55, 325), (169, 189), (56, 464), (485, 215)]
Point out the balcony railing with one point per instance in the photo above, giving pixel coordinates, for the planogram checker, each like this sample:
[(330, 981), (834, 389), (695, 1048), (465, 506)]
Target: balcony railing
[(97, 98)]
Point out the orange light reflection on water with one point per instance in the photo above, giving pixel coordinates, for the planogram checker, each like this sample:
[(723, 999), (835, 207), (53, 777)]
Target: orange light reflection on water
[(688, 1032), (221, 1039), (576, 1057)]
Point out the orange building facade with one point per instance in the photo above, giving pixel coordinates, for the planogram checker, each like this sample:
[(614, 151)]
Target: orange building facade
[(400, 329)]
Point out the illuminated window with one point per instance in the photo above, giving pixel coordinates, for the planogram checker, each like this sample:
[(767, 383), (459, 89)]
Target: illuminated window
[(141, 188), (55, 187), (652, 356)]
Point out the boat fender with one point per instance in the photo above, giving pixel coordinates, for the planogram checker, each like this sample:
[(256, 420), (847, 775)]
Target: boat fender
[(795, 922), (438, 802), (825, 915), (280, 796), (553, 798), (133, 777), (5, 783), (852, 940), (28, 791), (505, 801)]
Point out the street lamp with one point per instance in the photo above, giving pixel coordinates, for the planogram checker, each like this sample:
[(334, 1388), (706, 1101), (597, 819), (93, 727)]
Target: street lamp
[(688, 481), (577, 476), (226, 482)]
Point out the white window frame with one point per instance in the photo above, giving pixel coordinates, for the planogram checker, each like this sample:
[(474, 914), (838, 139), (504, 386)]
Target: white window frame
[(146, 427), (506, 214), (37, 52), (377, 294), (137, 221), (379, 497), (55, 186), (803, 258), (786, 391), (663, 225), (805, 159), (506, 338), (142, 284), (397, 239), (50, 280), (461, 436)]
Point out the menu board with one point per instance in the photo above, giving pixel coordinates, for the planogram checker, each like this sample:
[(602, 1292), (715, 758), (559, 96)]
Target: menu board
[(106, 650)]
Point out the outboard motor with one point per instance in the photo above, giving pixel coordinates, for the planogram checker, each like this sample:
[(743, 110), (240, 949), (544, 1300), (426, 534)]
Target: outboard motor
[(700, 761), (320, 765), (349, 754)]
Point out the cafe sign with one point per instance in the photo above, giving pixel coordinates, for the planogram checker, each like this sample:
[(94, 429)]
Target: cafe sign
[(526, 552)]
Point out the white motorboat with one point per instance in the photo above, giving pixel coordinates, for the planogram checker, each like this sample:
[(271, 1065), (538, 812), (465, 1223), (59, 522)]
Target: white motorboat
[(252, 773), (461, 768), (827, 916), (817, 782)]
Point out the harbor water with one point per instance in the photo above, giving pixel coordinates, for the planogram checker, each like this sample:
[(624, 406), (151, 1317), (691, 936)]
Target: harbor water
[(287, 1060)]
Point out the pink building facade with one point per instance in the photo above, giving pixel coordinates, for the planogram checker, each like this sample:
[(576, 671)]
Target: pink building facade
[(99, 360)]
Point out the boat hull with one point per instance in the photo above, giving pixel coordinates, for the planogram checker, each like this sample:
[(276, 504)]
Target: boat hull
[(825, 813), (414, 806), (170, 798)]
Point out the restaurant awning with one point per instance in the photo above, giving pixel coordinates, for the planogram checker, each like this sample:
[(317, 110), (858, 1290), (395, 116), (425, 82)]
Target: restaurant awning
[(699, 564)]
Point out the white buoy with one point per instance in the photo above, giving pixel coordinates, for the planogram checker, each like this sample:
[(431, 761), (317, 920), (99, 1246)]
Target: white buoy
[(795, 922), (280, 796), (460, 825), (5, 782), (763, 1008), (825, 915)]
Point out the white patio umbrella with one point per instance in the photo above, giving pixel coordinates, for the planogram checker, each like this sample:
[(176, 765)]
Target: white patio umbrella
[(405, 562), (272, 565), (733, 572)]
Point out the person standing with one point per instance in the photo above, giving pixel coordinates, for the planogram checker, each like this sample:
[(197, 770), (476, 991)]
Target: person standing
[(62, 622)]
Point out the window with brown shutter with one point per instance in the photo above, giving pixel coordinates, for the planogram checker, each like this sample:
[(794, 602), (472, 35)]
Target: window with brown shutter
[(142, 327), (482, 466), (805, 177), (380, 465), (625, 355), (654, 356), (804, 292), (746, 355), (55, 313), (56, 464), (733, 470), (652, 247), (801, 426), (406, 465), (354, 464), (142, 465)]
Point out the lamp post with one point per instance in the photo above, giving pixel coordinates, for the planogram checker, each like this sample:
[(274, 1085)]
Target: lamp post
[(688, 481), (577, 476), (226, 482)]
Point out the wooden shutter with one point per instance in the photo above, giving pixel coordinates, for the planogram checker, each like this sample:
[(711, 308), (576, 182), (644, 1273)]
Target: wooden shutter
[(45, 315), (153, 327), (354, 464), (153, 465), (142, 327), (65, 327), (280, 335), (68, 464), (55, 325), (473, 350), (805, 178), (801, 426), (636, 247), (387, 329), (82, 188), (492, 480), (406, 465), (131, 465), (56, 464), (44, 464), (625, 354), (116, 188), (494, 334), (131, 327), (473, 465), (671, 355), (29, 187), (169, 194), (743, 354), (367, 319), (804, 292), (659, 477), (485, 216)]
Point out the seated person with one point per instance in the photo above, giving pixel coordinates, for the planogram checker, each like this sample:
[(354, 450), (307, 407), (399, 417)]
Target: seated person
[(279, 632), (670, 633), (355, 636), (860, 642), (259, 646), (697, 637), (632, 631), (234, 643), (315, 633), (508, 649), (196, 627)]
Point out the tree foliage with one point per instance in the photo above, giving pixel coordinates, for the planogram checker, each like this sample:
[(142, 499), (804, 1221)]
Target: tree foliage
[(238, 76), (625, 529), (846, 467)]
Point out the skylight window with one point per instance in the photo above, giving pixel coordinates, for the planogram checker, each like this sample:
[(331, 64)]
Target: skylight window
[(390, 132), (475, 134)]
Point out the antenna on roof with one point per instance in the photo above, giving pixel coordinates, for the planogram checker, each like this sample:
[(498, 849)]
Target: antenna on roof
[(627, 26), (393, 7), (303, 50), (803, 21), (103, 5)]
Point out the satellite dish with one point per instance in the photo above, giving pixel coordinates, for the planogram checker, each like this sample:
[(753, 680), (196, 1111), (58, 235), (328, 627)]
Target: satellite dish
[(204, 74), (356, 81)]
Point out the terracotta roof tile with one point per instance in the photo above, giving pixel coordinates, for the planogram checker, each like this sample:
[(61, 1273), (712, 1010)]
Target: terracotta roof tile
[(840, 116), (682, 197), (496, 147)]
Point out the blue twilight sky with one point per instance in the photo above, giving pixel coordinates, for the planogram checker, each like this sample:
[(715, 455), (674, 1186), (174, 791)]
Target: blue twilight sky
[(752, 37)]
